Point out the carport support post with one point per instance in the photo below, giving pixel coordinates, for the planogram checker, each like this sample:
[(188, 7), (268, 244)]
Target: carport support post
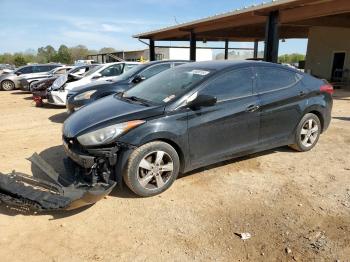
[(256, 48), (193, 46), (152, 50), (272, 38), (226, 49)]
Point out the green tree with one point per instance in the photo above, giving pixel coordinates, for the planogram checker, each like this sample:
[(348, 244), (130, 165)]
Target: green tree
[(19, 60), (63, 55), (107, 50), (79, 52), (291, 58), (6, 58), (46, 54)]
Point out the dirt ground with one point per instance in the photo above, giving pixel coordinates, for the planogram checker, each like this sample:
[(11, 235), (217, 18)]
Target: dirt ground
[(296, 206)]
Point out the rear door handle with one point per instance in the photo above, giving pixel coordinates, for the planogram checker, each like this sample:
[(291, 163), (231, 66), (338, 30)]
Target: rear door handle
[(252, 108)]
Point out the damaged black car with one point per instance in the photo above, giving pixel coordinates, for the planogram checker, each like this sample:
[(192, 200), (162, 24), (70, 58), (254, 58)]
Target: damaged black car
[(196, 115), (184, 118)]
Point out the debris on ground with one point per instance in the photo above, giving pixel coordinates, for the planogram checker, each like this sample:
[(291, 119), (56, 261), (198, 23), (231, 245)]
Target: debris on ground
[(318, 240), (244, 236), (288, 250)]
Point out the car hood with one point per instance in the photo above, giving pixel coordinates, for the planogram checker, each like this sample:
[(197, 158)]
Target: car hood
[(107, 111), (8, 76), (100, 85), (90, 86)]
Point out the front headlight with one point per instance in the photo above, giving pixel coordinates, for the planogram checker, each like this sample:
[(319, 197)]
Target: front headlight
[(84, 96), (107, 134)]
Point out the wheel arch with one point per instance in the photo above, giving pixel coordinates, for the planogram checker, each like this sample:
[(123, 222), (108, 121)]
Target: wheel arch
[(318, 111), (125, 154), (177, 148)]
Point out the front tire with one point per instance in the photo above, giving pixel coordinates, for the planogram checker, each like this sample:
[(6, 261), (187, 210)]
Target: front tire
[(31, 85), (152, 169), (7, 85), (307, 133)]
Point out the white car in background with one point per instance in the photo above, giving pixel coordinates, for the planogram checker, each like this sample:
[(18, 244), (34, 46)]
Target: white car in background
[(57, 94)]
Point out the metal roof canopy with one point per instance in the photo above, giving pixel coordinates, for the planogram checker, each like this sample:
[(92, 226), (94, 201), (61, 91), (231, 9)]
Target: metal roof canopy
[(295, 17)]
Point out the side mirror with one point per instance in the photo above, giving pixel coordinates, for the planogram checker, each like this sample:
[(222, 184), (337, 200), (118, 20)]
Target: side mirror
[(138, 79), (202, 101), (18, 73), (97, 76)]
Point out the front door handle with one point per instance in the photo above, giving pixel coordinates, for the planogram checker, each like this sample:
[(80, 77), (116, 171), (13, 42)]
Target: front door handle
[(252, 108)]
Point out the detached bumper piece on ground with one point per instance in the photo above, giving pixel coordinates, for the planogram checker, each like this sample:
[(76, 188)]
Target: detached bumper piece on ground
[(30, 194)]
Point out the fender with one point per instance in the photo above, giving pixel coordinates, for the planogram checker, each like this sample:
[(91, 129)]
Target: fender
[(320, 111)]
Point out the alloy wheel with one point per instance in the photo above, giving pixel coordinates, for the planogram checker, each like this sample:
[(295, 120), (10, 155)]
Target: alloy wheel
[(7, 85), (155, 170), (309, 133)]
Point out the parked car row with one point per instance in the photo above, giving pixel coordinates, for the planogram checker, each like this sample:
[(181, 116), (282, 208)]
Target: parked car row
[(57, 94), (13, 80)]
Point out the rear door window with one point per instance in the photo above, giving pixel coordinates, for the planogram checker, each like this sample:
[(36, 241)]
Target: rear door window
[(230, 85), (154, 70), (270, 79), (41, 69)]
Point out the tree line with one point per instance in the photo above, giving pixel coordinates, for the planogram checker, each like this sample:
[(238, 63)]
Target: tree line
[(47, 54), (67, 55), (291, 58)]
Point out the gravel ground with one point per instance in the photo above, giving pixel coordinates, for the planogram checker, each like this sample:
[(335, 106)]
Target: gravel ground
[(296, 206)]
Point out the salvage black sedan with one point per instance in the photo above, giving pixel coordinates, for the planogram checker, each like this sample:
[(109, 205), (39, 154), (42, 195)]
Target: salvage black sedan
[(84, 95), (195, 115)]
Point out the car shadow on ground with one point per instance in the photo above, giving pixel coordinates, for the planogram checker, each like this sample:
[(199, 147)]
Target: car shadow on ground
[(342, 118), (21, 93), (55, 156), (59, 118), (50, 106), (237, 160), (28, 98)]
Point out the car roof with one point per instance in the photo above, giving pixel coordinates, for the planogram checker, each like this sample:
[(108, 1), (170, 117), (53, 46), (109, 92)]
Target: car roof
[(167, 61), (125, 62), (223, 64)]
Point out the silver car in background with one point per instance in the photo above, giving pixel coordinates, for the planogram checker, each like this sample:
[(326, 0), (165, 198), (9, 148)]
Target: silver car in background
[(29, 81), (10, 81)]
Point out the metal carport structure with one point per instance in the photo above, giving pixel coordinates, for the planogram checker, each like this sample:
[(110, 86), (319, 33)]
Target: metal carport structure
[(268, 22)]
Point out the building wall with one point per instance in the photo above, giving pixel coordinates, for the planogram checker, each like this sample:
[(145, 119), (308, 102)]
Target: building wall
[(323, 43), (184, 54), (162, 53)]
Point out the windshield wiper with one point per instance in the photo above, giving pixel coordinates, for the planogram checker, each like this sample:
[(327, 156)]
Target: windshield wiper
[(137, 99)]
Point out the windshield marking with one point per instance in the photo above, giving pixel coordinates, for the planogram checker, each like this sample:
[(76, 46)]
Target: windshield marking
[(200, 72)]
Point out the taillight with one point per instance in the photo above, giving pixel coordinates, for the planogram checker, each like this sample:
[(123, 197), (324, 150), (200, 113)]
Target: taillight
[(327, 89)]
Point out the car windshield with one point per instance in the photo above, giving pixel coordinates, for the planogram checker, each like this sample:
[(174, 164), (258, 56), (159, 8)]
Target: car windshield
[(51, 72), (93, 70), (168, 85)]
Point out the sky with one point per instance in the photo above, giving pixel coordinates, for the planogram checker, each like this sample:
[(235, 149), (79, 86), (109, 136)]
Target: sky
[(30, 24)]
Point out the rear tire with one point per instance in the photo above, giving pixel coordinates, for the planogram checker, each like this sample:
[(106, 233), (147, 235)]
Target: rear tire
[(307, 133), (152, 169), (7, 85)]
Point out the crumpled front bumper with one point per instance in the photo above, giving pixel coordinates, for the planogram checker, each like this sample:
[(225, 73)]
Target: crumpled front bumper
[(57, 97), (29, 193)]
